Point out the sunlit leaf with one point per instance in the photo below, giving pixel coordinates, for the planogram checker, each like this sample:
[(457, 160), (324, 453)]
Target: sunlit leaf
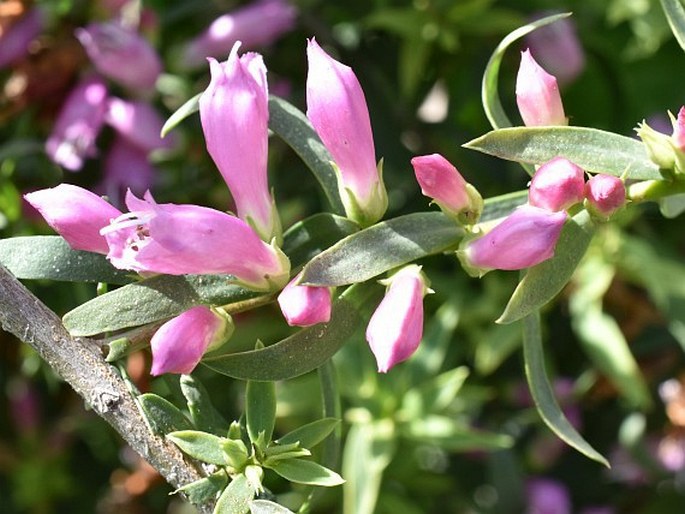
[(311, 434), (453, 435), (191, 106), (675, 14), (306, 472), (203, 413), (594, 150), (201, 446), (161, 415), (260, 409), (50, 257), (236, 498), (267, 507), (205, 489)]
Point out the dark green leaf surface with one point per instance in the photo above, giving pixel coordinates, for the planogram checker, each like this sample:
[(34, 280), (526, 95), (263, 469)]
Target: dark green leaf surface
[(542, 393), (453, 435), (205, 489), (161, 415), (309, 237), (302, 352), (543, 282), (594, 150), (381, 247), (204, 415), (675, 14), (311, 434), (291, 125), (50, 257), (153, 299), (260, 409)]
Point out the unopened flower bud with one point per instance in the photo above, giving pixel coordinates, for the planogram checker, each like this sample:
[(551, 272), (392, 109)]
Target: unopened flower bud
[(303, 306), (180, 343), (442, 182), (396, 326), (557, 185), (337, 108), (523, 239), (678, 140), (604, 194), (537, 95), (76, 214), (658, 145)]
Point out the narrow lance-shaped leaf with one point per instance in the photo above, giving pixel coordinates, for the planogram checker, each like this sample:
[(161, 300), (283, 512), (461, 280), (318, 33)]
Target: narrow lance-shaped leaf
[(311, 434), (675, 14), (489, 88), (543, 282), (305, 350), (291, 125), (542, 392), (201, 446), (260, 409), (161, 415), (205, 489), (204, 414), (268, 507), (593, 150), (190, 106), (306, 472), (50, 257), (236, 497)]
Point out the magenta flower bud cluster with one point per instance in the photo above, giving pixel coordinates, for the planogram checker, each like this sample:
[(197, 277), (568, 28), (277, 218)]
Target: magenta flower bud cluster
[(442, 182), (337, 109), (179, 344), (604, 195), (537, 95), (396, 326), (256, 24), (557, 185)]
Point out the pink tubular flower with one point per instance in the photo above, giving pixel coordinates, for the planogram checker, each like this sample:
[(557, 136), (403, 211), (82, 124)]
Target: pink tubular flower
[(605, 194), (189, 239), (180, 343), (396, 327), (303, 306), (79, 122), (678, 136), (337, 108), (523, 239), (139, 123), (557, 185), (14, 41), (256, 24), (234, 113), (442, 182), (121, 54), (76, 214), (537, 95)]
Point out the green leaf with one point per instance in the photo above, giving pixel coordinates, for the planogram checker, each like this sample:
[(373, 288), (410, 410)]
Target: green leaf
[(293, 454), (437, 393), (50, 257), (305, 350), (452, 435), (544, 281), (381, 247), (308, 238), (542, 393), (189, 107), (600, 334), (369, 448), (205, 417), (150, 300), (291, 125), (489, 88), (236, 451), (205, 489), (311, 434), (201, 446), (161, 415), (260, 409), (495, 344), (236, 498), (306, 472), (267, 507), (675, 14), (594, 150), (672, 206)]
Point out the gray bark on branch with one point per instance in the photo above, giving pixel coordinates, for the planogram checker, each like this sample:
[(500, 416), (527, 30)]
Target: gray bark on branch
[(79, 361)]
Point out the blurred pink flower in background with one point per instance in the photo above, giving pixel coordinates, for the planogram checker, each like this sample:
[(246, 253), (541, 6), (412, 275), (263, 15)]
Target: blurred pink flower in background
[(557, 48), (256, 24), (547, 496), (78, 124), (14, 42), (125, 166)]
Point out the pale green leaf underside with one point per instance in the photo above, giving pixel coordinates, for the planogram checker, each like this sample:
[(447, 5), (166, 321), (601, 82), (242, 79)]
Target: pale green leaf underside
[(594, 150), (306, 472), (191, 106), (542, 393)]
